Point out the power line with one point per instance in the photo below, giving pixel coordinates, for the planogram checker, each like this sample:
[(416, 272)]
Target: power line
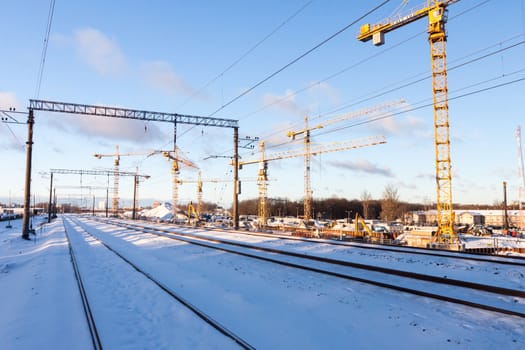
[(355, 65), (413, 82), (394, 114), (297, 59), (44, 48), (390, 115), (249, 51), (383, 92)]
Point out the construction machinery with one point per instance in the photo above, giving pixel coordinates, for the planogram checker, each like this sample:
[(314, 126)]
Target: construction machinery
[(361, 229), (436, 12), (191, 210), (312, 151)]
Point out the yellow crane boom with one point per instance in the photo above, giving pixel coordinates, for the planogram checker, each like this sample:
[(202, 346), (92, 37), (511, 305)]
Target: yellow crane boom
[(307, 148), (323, 148), (175, 170), (116, 165), (436, 11), (170, 155)]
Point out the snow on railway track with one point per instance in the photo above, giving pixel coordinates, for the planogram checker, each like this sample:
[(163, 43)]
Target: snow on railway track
[(276, 306), (123, 302), (474, 294)]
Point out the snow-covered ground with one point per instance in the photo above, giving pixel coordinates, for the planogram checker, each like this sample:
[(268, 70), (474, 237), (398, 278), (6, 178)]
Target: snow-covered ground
[(268, 305)]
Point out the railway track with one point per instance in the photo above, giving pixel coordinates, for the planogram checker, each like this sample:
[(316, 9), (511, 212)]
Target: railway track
[(468, 256), (73, 225), (478, 295)]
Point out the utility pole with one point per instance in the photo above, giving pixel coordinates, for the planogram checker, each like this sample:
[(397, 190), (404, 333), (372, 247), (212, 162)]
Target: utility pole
[(133, 215), (27, 191), (236, 186), (506, 218), (50, 198)]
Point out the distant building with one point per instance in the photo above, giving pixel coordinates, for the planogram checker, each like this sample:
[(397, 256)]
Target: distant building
[(468, 217)]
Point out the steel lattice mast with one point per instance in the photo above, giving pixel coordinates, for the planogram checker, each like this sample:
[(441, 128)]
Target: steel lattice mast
[(436, 12), (262, 184)]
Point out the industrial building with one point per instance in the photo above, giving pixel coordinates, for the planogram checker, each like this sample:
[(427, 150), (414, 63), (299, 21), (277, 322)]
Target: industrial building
[(469, 217)]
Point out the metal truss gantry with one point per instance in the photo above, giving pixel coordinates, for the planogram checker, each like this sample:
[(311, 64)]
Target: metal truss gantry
[(124, 113)]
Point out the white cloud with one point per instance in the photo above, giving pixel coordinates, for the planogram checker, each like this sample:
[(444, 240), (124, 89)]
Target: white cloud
[(100, 52), (362, 165), (162, 76), (110, 128), (9, 139), (407, 126), (285, 102), (8, 100), (387, 122), (322, 89)]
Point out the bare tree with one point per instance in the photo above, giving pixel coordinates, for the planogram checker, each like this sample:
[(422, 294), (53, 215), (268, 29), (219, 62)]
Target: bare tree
[(390, 203), (366, 197)]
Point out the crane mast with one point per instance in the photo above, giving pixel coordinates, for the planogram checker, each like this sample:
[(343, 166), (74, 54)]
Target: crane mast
[(199, 194), (262, 184), (307, 155), (326, 148), (436, 11), (173, 156), (308, 193), (170, 155)]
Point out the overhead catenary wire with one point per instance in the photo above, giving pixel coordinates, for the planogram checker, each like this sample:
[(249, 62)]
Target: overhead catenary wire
[(426, 105), (245, 92), (354, 65), (380, 53), (418, 78), (475, 92), (249, 51), (44, 48), (238, 60)]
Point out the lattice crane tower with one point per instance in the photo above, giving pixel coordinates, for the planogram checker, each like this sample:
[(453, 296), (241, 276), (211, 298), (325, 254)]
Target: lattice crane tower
[(262, 184), (319, 149), (436, 11), (116, 172), (307, 152)]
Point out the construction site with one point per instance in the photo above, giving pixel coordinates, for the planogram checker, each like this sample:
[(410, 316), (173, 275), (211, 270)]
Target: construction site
[(262, 174), (299, 146)]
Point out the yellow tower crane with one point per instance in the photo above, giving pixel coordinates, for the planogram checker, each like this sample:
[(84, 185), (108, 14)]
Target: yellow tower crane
[(436, 11), (262, 184), (319, 149), (116, 165), (199, 181), (307, 152), (175, 171)]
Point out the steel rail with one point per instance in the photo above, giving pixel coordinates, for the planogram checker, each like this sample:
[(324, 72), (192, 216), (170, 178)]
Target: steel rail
[(399, 273), (208, 319), (95, 338), (497, 259)]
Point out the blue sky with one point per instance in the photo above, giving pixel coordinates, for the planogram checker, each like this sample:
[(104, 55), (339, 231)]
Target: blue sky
[(159, 55)]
